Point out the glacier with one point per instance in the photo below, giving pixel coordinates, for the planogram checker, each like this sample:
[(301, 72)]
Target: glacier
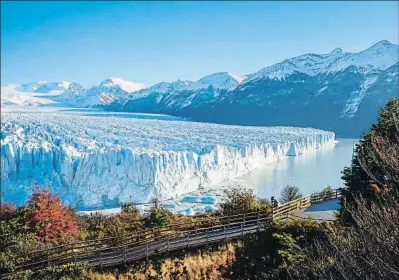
[(96, 159)]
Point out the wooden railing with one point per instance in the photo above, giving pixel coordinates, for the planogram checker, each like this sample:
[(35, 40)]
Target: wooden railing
[(113, 251), (153, 241), (283, 211)]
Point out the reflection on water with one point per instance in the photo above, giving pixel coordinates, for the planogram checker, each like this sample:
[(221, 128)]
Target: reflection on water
[(310, 172)]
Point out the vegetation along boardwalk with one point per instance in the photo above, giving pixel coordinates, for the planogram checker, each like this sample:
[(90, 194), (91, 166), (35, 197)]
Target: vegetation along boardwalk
[(141, 245)]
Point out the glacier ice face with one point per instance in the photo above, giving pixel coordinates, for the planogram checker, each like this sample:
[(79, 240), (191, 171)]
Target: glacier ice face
[(94, 159)]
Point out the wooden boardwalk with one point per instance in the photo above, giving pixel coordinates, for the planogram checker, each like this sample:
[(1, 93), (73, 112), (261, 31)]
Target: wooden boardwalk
[(155, 241)]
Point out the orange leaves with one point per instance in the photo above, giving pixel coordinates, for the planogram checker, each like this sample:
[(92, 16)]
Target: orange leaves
[(51, 220)]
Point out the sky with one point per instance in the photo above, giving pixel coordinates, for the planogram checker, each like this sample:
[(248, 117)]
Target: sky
[(149, 42)]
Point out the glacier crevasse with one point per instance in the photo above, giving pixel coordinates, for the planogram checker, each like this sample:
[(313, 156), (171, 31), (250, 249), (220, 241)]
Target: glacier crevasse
[(135, 159)]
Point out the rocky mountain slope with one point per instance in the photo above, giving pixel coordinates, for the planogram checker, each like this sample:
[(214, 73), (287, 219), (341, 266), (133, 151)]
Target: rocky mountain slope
[(337, 91)]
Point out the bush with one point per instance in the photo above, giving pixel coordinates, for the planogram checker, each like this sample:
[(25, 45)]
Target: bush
[(273, 253), (158, 217), (345, 252), (239, 201), (98, 225), (15, 238), (327, 193), (129, 207), (49, 218), (23, 275), (69, 271), (289, 193)]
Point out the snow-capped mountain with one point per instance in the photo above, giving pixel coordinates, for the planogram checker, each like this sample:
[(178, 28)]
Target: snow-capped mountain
[(337, 87), (376, 58), (108, 91), (68, 94), (41, 93), (168, 97), (124, 85)]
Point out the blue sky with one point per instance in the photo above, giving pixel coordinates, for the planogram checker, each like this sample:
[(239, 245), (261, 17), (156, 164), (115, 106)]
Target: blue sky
[(149, 42)]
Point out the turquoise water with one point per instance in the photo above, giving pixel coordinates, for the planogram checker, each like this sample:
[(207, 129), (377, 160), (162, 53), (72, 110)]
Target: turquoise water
[(310, 172)]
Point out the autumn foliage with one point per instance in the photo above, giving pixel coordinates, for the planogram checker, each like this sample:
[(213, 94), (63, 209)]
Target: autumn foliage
[(49, 218)]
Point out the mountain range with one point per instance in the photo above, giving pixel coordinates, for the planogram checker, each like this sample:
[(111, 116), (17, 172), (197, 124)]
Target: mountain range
[(337, 91)]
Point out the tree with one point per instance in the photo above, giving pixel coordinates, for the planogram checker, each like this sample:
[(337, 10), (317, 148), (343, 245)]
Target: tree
[(240, 200), (289, 193), (98, 225), (49, 218), (15, 237), (272, 253), (364, 244), (129, 207), (367, 250), (158, 217), (130, 217), (375, 166)]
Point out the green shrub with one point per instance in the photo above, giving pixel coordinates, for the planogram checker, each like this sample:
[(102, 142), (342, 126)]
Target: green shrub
[(158, 217), (15, 239), (64, 272), (239, 201), (327, 193), (23, 275), (69, 271), (130, 207), (273, 253), (98, 225)]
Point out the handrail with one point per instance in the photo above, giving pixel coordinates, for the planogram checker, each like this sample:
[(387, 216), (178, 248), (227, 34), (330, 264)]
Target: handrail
[(144, 243), (159, 229)]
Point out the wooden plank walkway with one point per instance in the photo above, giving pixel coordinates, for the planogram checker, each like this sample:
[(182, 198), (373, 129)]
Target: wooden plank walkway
[(323, 211), (154, 241)]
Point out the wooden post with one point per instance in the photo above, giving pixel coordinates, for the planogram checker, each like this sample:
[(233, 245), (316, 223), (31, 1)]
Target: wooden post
[(146, 251), (224, 229), (101, 260), (124, 255), (167, 246), (242, 225), (188, 241), (272, 202)]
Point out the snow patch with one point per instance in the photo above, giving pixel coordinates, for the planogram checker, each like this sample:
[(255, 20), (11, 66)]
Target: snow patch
[(356, 97), (127, 86)]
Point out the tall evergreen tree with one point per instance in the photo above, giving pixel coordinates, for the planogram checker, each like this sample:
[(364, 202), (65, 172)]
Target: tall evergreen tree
[(375, 165)]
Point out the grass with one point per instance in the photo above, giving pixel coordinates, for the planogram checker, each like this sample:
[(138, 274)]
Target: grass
[(202, 264)]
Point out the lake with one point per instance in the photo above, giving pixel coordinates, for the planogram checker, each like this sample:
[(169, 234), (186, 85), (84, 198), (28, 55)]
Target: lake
[(310, 172)]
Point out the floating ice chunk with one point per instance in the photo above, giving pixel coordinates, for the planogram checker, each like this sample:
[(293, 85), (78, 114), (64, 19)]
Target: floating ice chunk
[(210, 208), (204, 209), (209, 200), (186, 212), (191, 199), (199, 199), (170, 205)]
